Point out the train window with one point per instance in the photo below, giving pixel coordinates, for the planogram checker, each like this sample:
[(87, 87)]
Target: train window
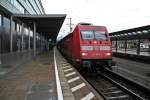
[(100, 35), (87, 35)]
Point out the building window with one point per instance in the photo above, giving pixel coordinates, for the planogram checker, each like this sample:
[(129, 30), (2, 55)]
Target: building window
[(18, 6), (34, 6), (12, 1), (39, 6), (13, 25), (29, 5), (26, 31), (31, 33), (6, 23), (18, 28), (26, 12)]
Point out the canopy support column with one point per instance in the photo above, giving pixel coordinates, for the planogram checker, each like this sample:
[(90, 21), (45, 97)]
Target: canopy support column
[(34, 39), (11, 35), (29, 39), (22, 37)]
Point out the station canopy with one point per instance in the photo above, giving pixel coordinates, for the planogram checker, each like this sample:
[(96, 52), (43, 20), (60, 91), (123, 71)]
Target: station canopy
[(48, 24)]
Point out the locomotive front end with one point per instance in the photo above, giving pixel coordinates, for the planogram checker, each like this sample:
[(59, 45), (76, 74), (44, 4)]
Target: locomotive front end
[(95, 47)]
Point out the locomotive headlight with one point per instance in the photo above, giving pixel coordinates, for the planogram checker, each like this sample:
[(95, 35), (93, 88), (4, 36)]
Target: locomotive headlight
[(84, 54), (95, 42), (108, 54)]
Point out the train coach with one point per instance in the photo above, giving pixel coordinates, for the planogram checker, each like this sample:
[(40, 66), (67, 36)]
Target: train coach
[(88, 46)]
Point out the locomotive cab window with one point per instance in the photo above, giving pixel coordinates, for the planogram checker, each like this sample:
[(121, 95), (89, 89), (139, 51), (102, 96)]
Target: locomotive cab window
[(99, 35), (93, 35), (87, 35)]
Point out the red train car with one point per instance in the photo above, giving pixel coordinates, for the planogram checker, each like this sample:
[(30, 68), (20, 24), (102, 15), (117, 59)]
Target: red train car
[(87, 46)]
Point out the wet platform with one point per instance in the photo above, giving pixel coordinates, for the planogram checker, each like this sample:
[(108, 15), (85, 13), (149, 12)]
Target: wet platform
[(46, 77), (133, 52), (31, 81), (135, 71)]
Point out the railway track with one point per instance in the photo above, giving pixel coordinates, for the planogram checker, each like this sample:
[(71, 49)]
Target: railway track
[(114, 87)]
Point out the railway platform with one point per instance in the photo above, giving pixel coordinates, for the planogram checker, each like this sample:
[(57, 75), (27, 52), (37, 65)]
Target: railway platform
[(46, 77), (133, 70)]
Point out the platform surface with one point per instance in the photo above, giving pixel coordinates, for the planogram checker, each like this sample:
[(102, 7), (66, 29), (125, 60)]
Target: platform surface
[(34, 80), (136, 71), (134, 52), (37, 80)]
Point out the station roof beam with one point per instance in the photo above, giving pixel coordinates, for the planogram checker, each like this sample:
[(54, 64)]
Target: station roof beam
[(49, 25), (134, 33)]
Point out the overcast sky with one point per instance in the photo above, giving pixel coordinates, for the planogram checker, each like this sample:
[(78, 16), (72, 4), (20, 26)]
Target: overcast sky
[(114, 14)]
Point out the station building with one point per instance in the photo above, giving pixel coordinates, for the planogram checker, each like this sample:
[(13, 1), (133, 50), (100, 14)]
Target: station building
[(25, 30)]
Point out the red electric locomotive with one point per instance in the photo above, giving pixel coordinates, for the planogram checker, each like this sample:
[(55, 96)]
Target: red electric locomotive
[(87, 46)]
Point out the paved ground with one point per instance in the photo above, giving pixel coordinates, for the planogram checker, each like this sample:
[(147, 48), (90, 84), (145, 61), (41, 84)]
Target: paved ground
[(136, 71), (36, 80), (31, 81), (133, 52)]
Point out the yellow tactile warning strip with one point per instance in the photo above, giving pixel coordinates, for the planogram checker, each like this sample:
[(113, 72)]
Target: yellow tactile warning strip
[(73, 85)]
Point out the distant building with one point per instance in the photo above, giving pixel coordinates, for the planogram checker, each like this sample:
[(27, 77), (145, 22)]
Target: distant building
[(25, 30), (23, 6), (16, 37)]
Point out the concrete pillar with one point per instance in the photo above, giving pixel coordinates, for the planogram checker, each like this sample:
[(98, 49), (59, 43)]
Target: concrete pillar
[(29, 39), (125, 46), (11, 35), (34, 39), (116, 44), (22, 37), (138, 47), (149, 49), (40, 42)]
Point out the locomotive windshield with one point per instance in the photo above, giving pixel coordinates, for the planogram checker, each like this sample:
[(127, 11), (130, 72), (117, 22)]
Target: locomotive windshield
[(87, 35), (100, 35), (93, 35)]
